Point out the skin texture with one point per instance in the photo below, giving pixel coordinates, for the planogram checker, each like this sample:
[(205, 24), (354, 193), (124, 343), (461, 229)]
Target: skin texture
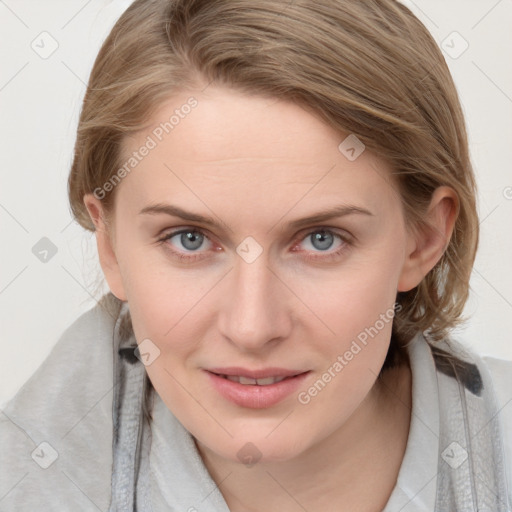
[(255, 164)]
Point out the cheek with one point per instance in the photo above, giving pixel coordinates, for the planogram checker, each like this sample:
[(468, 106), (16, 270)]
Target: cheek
[(355, 296), (160, 294), (172, 308), (358, 308), (161, 312)]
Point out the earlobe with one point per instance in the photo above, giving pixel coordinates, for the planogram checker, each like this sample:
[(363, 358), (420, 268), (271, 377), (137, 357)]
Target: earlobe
[(106, 250), (426, 246)]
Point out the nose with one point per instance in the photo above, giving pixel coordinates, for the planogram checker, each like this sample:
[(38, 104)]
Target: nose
[(255, 308)]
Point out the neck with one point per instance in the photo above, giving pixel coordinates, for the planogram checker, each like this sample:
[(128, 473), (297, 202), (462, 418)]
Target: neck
[(335, 474)]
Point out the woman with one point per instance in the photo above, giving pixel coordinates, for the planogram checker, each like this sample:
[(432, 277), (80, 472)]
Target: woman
[(284, 209)]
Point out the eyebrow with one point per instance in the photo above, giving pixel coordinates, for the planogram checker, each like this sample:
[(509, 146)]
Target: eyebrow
[(327, 214)]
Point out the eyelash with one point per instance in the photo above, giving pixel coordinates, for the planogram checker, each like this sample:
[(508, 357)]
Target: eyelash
[(346, 243)]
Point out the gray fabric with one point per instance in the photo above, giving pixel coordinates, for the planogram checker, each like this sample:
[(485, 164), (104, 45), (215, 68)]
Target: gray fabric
[(67, 403), (128, 424), (174, 458), (471, 464)]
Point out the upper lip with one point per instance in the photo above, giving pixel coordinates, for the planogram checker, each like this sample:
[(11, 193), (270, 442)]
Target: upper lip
[(255, 374)]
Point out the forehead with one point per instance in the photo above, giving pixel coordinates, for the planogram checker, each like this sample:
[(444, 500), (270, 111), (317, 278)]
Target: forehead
[(251, 150)]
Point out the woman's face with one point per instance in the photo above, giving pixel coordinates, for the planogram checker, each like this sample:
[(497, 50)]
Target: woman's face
[(225, 275)]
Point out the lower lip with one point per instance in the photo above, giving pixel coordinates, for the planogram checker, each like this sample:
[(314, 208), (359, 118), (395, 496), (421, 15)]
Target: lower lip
[(253, 396)]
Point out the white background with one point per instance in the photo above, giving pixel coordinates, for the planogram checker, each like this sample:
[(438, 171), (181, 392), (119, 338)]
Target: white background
[(40, 101)]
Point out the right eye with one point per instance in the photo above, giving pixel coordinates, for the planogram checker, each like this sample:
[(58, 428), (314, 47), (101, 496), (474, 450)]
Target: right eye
[(183, 241)]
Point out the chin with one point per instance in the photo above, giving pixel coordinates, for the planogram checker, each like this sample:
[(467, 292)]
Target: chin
[(250, 449)]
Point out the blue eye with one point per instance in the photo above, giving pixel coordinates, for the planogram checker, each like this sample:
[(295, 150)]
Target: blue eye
[(190, 239), (323, 240)]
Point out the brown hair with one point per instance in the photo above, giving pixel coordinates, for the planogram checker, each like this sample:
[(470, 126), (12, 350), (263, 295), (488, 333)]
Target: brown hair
[(369, 68)]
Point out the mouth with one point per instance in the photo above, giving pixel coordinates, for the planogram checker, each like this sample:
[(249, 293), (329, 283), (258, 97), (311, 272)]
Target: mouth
[(256, 389)]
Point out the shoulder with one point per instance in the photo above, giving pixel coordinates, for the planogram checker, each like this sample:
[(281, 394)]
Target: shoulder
[(490, 378), (500, 371), (476, 366), (56, 432)]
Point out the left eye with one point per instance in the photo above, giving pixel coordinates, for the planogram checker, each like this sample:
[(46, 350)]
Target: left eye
[(322, 240)]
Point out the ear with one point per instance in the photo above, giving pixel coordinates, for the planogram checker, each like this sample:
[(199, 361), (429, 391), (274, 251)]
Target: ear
[(426, 245), (106, 252)]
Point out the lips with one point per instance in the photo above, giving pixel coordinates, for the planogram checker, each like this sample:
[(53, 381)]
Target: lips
[(256, 389)]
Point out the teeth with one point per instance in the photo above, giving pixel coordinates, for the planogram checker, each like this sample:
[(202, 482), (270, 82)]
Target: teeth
[(268, 380), (247, 380), (253, 382), (232, 378)]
